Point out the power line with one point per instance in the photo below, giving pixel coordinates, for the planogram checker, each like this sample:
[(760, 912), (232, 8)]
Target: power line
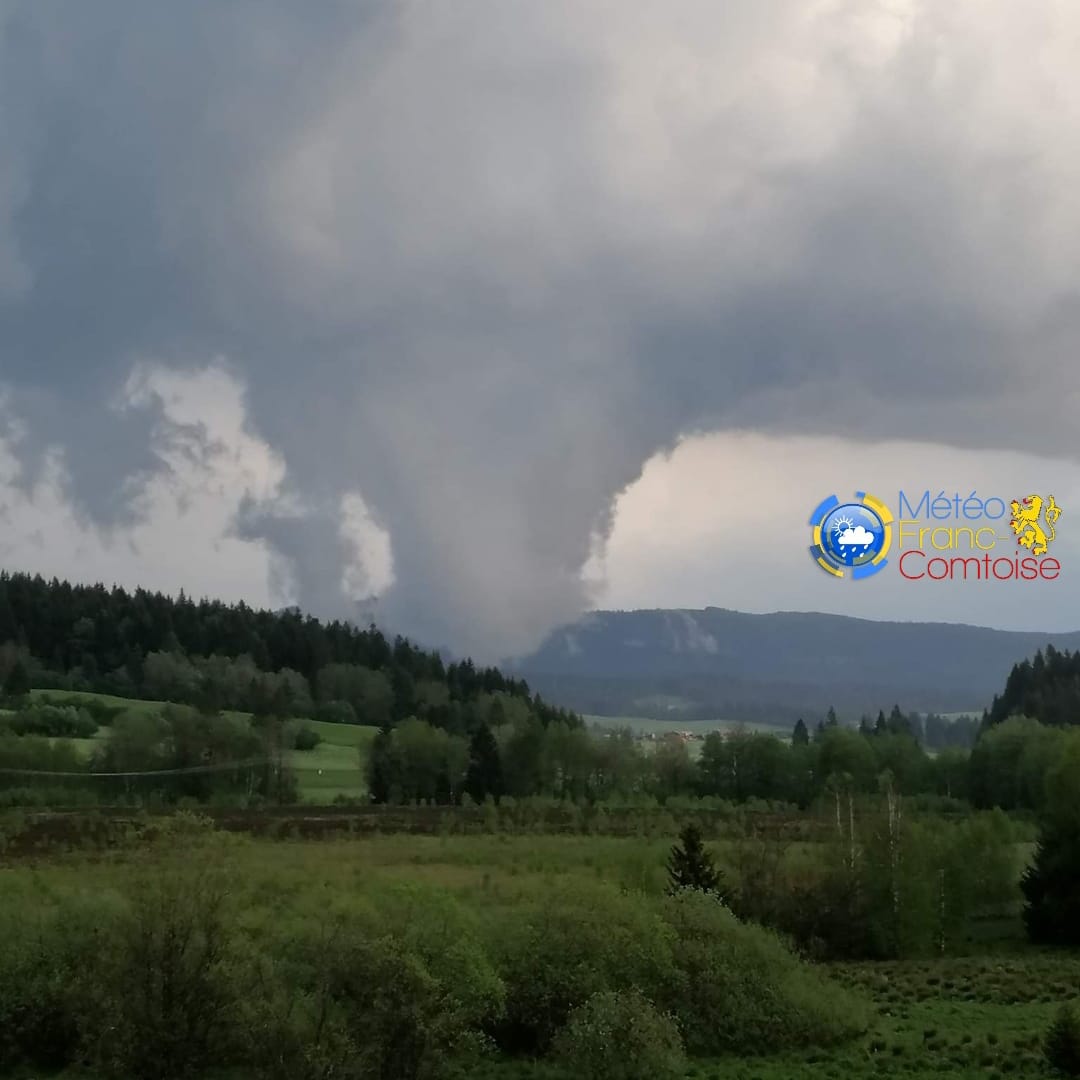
[(191, 770)]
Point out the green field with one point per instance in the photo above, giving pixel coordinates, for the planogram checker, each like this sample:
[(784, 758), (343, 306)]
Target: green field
[(335, 767)]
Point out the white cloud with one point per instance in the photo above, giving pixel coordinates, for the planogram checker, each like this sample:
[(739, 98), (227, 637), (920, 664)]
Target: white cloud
[(183, 538), (680, 532), (371, 568), (857, 536)]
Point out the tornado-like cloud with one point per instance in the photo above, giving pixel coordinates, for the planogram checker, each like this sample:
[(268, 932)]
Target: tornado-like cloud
[(473, 264)]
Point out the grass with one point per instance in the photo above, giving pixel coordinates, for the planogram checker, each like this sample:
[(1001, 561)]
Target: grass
[(337, 766), (86, 747)]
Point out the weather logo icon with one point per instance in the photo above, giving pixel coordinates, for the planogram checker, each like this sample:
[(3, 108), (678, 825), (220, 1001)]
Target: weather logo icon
[(851, 539)]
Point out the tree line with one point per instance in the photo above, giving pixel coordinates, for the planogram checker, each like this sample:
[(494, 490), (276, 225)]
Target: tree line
[(1046, 688), (415, 761), (213, 655)]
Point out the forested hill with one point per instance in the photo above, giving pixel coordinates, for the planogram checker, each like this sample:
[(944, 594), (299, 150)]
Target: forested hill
[(216, 655), (728, 664)]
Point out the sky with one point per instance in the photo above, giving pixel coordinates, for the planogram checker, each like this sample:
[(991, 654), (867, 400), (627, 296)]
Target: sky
[(475, 316)]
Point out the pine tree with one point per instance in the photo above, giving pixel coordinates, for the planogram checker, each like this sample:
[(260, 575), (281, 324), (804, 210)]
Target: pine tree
[(379, 766), (830, 718), (800, 736), (898, 723), (17, 683), (1051, 886), (484, 776), (9, 628), (692, 867)]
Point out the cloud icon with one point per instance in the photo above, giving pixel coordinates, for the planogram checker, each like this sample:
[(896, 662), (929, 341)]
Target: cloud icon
[(859, 536)]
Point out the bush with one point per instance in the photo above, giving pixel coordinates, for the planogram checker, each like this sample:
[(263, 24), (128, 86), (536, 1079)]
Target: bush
[(100, 711), (54, 721), (398, 990), (336, 712), (44, 954), (1062, 1046), (557, 951), (619, 1035), (167, 990), (741, 991), (307, 738)]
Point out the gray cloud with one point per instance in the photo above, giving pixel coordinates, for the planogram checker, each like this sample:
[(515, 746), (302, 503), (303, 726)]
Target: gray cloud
[(478, 263)]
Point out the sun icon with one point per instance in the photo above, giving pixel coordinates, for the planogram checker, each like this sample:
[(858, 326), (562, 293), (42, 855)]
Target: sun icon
[(842, 523)]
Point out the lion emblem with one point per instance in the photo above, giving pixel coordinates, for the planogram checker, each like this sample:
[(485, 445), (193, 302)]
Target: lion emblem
[(1027, 518)]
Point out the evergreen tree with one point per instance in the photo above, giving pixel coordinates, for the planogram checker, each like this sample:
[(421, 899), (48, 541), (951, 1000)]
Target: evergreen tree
[(800, 736), (379, 766), (691, 866), (17, 684), (898, 723), (1051, 887), (9, 628), (485, 766), (881, 727), (830, 718), (1051, 884), (864, 726)]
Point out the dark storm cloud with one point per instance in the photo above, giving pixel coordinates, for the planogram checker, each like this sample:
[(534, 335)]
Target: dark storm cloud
[(478, 262)]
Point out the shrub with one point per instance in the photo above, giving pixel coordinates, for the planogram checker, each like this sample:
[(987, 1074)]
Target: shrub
[(54, 721), (336, 712), (45, 951), (619, 1035), (558, 950), (398, 990), (167, 989), (1062, 1046), (307, 738), (741, 991)]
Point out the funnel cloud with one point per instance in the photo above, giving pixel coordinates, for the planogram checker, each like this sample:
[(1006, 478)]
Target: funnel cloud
[(431, 284)]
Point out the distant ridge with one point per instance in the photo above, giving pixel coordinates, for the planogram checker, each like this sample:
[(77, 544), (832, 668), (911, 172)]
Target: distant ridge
[(720, 664)]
